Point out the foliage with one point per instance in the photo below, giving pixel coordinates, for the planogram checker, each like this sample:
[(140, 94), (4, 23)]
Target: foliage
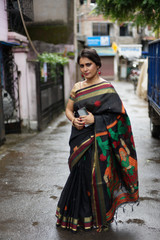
[(141, 12), (51, 66), (52, 58)]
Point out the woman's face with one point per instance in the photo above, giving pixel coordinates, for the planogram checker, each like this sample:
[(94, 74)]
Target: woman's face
[(88, 68)]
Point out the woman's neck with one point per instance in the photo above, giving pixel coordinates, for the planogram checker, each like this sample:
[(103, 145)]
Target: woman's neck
[(94, 80)]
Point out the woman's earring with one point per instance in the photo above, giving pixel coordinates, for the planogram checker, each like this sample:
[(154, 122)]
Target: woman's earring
[(98, 71), (82, 76)]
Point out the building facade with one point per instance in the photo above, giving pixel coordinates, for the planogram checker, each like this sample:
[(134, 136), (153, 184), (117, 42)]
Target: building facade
[(53, 21), (93, 26), (18, 71)]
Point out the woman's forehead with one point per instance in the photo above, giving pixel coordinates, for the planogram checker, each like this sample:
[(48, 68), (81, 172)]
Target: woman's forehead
[(84, 60)]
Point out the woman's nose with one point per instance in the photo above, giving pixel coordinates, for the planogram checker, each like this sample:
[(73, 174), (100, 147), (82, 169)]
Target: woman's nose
[(85, 68)]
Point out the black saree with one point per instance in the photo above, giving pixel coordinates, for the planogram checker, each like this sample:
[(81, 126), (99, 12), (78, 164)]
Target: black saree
[(103, 162)]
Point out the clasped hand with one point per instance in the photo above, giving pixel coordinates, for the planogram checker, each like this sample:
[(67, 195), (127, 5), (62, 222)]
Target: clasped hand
[(80, 122)]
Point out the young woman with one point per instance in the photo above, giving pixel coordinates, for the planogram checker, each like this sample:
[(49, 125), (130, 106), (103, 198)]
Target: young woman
[(103, 164)]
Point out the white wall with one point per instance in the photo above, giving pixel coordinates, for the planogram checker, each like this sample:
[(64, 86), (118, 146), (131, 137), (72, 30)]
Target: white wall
[(27, 91), (50, 10), (3, 21), (32, 95), (69, 78)]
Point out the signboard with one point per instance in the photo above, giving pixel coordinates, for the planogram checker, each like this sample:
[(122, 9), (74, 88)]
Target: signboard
[(105, 51), (98, 41), (130, 51)]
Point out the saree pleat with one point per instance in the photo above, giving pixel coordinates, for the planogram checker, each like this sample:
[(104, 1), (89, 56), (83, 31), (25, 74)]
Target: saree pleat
[(103, 162), (75, 203)]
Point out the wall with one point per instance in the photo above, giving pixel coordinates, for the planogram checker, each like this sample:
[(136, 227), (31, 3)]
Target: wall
[(27, 89), (50, 10), (53, 21), (69, 79), (32, 95), (3, 22), (27, 83)]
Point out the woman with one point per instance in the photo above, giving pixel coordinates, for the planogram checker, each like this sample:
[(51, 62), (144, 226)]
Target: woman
[(103, 165)]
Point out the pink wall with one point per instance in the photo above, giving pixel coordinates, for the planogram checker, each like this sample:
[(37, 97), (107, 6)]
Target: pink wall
[(3, 21)]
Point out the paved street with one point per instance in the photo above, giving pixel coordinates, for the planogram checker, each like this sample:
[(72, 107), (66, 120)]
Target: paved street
[(33, 171)]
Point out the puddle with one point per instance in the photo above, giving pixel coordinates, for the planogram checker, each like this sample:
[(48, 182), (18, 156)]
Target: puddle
[(35, 223), (62, 124), (58, 187), (137, 221), (53, 197), (120, 221), (149, 199), (4, 225), (139, 106), (154, 192), (9, 160), (155, 160), (156, 180), (55, 131)]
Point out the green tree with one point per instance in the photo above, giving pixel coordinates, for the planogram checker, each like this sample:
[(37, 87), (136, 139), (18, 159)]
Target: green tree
[(141, 12)]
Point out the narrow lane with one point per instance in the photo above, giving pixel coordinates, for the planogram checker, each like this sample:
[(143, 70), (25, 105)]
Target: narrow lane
[(34, 170)]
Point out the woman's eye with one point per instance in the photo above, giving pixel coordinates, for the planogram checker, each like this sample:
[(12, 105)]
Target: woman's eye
[(88, 64), (81, 66)]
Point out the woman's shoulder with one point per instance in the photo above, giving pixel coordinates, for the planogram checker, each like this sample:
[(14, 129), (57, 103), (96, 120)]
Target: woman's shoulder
[(76, 87)]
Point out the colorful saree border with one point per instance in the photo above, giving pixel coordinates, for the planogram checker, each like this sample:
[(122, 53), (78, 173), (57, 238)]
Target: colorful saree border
[(118, 201), (73, 223), (94, 94), (79, 151)]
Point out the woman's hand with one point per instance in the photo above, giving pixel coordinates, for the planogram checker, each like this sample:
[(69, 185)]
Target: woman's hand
[(78, 123), (88, 119)]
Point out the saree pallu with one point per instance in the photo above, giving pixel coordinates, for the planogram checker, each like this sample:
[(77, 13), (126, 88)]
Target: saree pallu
[(103, 162)]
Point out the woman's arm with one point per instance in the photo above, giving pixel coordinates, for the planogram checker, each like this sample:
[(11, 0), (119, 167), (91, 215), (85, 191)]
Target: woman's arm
[(76, 122)]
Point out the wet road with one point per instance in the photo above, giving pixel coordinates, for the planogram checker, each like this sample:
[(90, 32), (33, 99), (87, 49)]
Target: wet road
[(33, 171)]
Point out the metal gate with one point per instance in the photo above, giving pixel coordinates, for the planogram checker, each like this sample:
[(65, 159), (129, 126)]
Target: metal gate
[(10, 92), (50, 92), (2, 129)]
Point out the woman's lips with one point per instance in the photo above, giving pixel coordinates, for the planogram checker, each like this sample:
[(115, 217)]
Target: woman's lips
[(86, 74)]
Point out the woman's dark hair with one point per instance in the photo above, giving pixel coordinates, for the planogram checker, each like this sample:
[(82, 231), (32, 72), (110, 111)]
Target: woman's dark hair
[(90, 54)]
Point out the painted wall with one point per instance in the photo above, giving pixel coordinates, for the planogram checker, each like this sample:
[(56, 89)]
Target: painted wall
[(53, 21), (50, 10), (27, 90), (3, 21), (69, 78)]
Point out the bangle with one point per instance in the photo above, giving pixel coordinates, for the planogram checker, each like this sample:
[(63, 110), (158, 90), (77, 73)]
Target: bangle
[(73, 122)]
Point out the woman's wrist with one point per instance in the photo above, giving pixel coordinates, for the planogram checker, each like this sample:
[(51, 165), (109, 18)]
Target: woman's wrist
[(73, 121)]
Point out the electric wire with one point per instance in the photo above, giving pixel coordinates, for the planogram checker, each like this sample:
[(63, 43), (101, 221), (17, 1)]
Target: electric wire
[(25, 28)]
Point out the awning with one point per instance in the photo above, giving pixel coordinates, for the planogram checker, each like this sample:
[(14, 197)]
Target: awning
[(105, 51), (130, 51), (11, 44)]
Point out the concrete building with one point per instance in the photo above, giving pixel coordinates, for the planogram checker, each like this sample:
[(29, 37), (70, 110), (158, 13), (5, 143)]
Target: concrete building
[(100, 33), (52, 23)]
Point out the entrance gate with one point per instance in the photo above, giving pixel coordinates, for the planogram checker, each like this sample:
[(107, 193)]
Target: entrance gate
[(50, 92), (10, 92)]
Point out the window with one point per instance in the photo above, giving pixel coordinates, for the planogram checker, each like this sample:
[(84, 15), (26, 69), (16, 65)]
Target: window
[(101, 29), (125, 30), (83, 1)]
